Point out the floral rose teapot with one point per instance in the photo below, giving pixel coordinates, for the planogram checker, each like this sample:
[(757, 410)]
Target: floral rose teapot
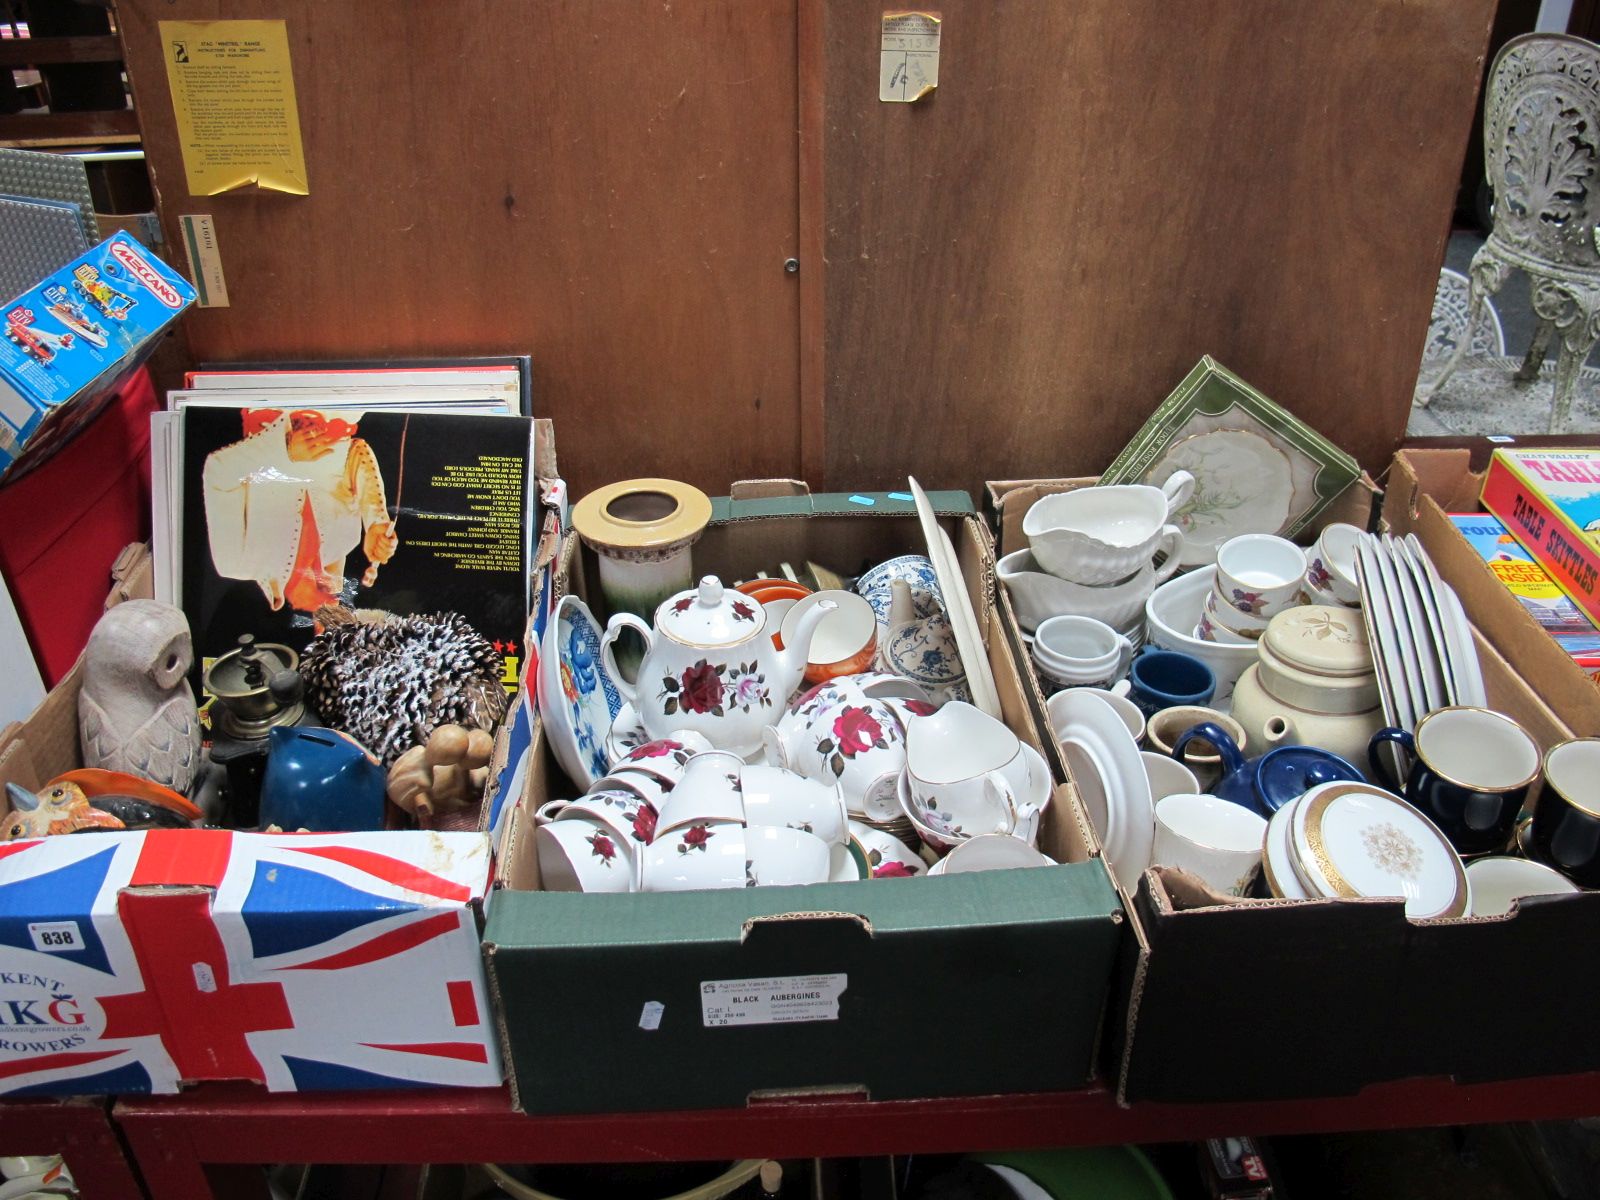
[(710, 665)]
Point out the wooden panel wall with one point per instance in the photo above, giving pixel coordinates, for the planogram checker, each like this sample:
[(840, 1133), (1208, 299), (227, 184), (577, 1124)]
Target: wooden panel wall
[(997, 282), (1023, 265), (609, 186)]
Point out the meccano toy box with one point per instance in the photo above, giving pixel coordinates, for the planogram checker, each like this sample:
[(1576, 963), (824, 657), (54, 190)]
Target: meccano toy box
[(73, 338)]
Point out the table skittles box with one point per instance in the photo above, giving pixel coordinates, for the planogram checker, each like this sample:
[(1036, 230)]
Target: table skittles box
[(72, 339)]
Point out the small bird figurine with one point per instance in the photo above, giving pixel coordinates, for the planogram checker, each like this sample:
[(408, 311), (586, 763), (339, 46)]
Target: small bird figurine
[(62, 807), (136, 712)]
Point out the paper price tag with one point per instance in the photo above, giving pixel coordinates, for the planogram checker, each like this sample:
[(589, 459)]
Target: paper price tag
[(779, 1001), (908, 56), (55, 937)]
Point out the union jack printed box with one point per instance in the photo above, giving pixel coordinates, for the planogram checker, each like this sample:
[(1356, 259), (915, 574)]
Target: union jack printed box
[(134, 962)]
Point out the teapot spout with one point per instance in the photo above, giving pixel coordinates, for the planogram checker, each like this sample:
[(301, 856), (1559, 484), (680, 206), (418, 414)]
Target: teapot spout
[(797, 635), (901, 609), (1279, 731)]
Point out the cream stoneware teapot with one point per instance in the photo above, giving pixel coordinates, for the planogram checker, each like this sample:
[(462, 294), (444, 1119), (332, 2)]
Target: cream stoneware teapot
[(710, 665), (1312, 683)]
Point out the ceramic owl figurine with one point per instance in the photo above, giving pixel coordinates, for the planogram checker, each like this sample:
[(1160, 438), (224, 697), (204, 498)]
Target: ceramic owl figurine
[(136, 712)]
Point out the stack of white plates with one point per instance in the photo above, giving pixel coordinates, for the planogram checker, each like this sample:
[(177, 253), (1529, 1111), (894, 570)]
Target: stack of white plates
[(1341, 840), (1422, 646)]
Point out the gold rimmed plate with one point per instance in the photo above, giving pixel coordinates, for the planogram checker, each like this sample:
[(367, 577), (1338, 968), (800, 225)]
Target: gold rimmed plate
[(1354, 839)]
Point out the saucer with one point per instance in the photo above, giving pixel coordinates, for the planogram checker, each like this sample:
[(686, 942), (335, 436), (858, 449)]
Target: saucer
[(1105, 764), (627, 734), (1353, 839), (1277, 864), (578, 700)]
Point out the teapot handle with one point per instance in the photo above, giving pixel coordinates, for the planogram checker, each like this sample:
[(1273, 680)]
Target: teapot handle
[(1232, 759), (614, 627)]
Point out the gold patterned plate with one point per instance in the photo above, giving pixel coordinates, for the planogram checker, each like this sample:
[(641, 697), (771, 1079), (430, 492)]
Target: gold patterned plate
[(1353, 839)]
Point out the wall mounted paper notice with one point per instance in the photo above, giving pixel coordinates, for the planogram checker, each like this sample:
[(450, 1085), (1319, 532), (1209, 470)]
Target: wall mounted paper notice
[(233, 96), (908, 57)]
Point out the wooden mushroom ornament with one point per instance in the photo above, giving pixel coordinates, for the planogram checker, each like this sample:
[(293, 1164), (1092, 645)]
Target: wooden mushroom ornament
[(443, 775)]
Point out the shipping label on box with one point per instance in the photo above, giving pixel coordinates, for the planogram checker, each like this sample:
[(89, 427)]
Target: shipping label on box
[(131, 962), (75, 336)]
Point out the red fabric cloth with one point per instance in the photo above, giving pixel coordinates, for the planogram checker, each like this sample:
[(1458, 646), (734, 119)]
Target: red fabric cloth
[(63, 524)]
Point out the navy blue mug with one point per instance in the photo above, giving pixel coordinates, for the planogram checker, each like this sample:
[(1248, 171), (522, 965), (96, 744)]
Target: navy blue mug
[(1471, 769), (1159, 679), (1565, 833)]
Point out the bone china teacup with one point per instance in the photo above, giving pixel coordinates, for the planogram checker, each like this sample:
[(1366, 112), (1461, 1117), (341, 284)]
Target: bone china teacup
[(962, 762), (583, 856), (1100, 535), (708, 791)]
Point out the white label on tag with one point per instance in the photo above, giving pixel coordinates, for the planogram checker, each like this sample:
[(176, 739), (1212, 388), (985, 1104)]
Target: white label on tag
[(650, 1015), (205, 260), (55, 937), (908, 56), (779, 1001), (203, 978)]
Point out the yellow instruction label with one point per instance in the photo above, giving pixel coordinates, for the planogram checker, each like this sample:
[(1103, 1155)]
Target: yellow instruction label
[(233, 96)]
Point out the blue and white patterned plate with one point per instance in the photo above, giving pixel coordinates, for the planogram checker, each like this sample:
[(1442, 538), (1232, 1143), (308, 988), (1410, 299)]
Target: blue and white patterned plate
[(578, 700)]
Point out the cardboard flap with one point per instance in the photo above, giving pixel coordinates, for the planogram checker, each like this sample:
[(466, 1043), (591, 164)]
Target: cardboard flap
[(766, 489), (1176, 1050), (793, 930)]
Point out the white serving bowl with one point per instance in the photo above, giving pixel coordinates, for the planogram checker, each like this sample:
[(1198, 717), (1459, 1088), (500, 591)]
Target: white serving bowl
[(1171, 615)]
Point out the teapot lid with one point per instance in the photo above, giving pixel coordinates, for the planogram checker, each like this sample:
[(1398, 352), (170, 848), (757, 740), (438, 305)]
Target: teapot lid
[(1320, 639), (1291, 771), (1317, 658), (710, 615)]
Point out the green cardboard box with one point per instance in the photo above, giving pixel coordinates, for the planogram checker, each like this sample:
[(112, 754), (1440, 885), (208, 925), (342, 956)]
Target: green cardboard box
[(906, 988)]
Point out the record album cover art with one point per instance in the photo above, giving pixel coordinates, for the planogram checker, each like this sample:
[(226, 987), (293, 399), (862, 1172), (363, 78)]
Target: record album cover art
[(286, 510)]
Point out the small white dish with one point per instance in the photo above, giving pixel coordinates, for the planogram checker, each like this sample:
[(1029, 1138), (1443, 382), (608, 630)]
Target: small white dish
[(1167, 776), (1461, 649), (1095, 740), (958, 606), (1171, 614), (578, 700), (1379, 621), (1498, 883), (991, 852), (1277, 863), (1430, 670), (1354, 839), (1411, 570), (1400, 639)]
